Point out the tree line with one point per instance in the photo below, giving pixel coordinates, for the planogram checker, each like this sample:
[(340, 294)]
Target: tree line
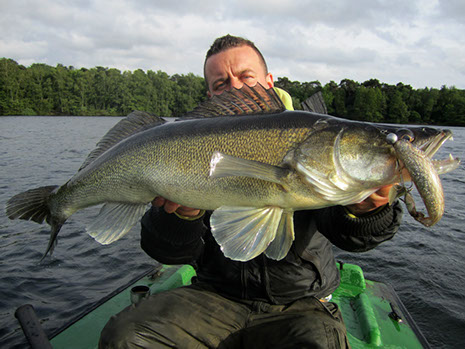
[(44, 90), (41, 89)]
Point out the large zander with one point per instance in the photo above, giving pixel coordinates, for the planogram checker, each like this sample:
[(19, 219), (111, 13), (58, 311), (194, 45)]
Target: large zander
[(242, 156)]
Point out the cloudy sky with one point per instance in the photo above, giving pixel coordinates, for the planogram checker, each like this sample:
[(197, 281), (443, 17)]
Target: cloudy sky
[(417, 42)]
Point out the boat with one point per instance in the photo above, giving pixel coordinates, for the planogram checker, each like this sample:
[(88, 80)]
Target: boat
[(374, 315)]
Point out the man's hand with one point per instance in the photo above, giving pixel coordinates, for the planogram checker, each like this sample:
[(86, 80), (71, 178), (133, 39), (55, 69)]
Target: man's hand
[(375, 200), (171, 207)]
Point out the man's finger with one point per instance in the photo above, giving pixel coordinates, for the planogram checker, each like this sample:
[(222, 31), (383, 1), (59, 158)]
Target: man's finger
[(171, 207), (158, 201)]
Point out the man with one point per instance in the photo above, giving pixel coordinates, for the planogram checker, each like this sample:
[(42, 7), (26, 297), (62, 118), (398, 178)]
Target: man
[(261, 303)]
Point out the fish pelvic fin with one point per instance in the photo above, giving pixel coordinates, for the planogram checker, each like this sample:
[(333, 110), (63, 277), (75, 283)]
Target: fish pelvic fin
[(243, 233), (135, 122), (284, 238), (33, 205), (114, 221)]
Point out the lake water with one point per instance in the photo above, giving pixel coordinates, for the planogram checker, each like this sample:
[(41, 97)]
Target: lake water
[(426, 266)]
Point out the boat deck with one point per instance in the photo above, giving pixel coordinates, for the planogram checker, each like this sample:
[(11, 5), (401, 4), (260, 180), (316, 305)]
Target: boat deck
[(374, 315)]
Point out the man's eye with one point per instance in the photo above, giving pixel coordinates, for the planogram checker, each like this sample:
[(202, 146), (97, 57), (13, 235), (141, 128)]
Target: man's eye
[(220, 86)]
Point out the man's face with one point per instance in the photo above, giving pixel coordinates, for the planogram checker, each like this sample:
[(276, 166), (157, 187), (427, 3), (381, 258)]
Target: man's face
[(233, 68)]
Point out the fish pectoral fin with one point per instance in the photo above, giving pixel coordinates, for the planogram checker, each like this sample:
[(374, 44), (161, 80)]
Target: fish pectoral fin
[(114, 221), (243, 233), (222, 165), (332, 188), (280, 246)]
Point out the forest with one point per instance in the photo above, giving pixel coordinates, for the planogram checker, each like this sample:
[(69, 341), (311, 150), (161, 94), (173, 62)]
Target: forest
[(41, 89)]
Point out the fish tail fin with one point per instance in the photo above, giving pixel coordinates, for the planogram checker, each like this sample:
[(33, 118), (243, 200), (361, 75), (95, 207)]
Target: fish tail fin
[(52, 242), (33, 205)]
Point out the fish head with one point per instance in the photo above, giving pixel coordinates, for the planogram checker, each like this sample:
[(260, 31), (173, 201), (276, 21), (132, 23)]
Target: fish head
[(346, 156), (338, 158)]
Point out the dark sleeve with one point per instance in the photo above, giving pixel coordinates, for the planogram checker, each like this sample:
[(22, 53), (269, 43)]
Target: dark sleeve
[(170, 239), (358, 234)]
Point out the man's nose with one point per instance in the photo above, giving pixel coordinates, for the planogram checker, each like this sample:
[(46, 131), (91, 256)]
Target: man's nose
[(235, 83)]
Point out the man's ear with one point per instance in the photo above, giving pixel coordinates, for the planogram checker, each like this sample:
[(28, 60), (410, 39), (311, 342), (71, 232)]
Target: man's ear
[(269, 80)]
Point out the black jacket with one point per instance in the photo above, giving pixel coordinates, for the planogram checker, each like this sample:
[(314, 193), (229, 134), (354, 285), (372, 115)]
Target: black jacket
[(309, 269)]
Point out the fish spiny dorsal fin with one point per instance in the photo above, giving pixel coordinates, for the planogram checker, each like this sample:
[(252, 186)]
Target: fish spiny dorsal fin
[(234, 103), (135, 122), (267, 99), (246, 100)]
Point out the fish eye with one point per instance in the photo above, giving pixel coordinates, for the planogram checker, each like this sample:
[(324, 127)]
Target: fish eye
[(405, 134)]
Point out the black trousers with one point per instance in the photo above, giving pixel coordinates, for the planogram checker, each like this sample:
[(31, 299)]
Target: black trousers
[(195, 317)]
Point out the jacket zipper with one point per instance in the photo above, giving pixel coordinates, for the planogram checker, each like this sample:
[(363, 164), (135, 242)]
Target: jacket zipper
[(244, 280), (266, 280)]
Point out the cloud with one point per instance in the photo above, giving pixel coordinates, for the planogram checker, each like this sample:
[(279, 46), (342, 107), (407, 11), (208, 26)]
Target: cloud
[(416, 42), (451, 10)]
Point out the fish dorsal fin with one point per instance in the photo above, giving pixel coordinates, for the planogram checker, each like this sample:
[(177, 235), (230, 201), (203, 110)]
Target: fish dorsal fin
[(135, 122), (315, 103), (246, 100)]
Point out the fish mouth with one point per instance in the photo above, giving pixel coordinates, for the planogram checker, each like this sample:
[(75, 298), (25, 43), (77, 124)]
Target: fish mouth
[(431, 146)]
